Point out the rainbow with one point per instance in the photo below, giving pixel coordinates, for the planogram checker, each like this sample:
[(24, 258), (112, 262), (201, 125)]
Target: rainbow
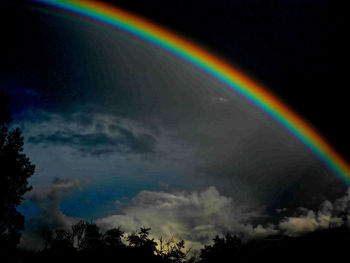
[(232, 77)]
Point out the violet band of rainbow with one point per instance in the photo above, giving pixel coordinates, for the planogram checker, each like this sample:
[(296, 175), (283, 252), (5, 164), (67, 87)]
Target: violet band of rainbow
[(216, 67)]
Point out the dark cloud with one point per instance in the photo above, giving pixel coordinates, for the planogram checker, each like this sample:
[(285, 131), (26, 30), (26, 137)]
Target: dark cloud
[(123, 140), (48, 199)]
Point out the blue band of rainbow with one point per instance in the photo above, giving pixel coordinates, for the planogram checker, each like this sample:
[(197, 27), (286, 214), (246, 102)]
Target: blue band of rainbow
[(232, 77)]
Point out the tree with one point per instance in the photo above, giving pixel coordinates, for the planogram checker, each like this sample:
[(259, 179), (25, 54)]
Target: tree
[(15, 169), (113, 238), (92, 238), (222, 250), (172, 251), (141, 241)]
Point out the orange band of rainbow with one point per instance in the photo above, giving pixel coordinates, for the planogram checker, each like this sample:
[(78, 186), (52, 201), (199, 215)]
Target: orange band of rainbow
[(218, 68)]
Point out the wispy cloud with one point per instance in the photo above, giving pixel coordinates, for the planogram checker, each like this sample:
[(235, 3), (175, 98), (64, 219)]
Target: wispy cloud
[(95, 135), (99, 143)]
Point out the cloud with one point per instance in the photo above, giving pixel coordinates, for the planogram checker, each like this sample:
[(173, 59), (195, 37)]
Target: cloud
[(329, 215), (57, 190), (343, 203), (95, 134), (299, 225), (50, 216), (260, 232), (195, 217), (100, 143)]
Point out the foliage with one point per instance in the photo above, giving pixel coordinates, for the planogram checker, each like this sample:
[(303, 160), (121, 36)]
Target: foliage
[(222, 249), (63, 246), (86, 242), (113, 238), (172, 251), (15, 171), (142, 242)]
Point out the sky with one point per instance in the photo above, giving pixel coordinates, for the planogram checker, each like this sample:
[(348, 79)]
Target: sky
[(124, 133), (295, 47)]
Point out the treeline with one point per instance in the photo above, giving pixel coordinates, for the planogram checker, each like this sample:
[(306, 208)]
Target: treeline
[(84, 242)]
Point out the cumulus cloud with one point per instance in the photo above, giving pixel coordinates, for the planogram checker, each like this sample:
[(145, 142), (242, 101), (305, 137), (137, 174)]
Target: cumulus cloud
[(50, 216), (195, 217), (329, 215), (260, 232)]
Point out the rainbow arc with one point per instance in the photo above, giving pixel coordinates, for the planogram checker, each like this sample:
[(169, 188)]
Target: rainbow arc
[(231, 76)]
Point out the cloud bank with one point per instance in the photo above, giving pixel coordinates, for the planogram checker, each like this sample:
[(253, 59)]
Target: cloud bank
[(329, 215), (194, 216), (50, 216), (197, 217)]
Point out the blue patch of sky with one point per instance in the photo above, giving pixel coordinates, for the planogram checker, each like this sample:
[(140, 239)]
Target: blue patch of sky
[(24, 99), (28, 209), (104, 198)]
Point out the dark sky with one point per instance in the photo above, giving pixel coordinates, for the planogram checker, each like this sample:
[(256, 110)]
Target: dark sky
[(111, 121), (293, 47)]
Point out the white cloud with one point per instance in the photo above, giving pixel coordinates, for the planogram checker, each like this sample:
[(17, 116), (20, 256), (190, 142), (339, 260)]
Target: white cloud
[(195, 217), (261, 232), (299, 225), (329, 215)]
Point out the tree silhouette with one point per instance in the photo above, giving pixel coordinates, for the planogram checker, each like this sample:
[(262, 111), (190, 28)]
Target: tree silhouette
[(15, 171), (172, 251), (92, 238), (142, 242), (223, 249), (62, 241), (85, 242), (111, 246), (112, 238)]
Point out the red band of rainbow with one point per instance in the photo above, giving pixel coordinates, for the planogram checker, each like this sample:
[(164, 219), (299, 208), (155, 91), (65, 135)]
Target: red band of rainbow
[(216, 67)]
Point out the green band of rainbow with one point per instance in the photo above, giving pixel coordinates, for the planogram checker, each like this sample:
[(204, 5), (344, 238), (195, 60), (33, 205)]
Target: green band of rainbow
[(221, 70)]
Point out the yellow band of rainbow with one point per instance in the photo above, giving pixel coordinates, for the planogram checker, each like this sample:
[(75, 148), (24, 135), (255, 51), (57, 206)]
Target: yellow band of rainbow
[(232, 77)]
